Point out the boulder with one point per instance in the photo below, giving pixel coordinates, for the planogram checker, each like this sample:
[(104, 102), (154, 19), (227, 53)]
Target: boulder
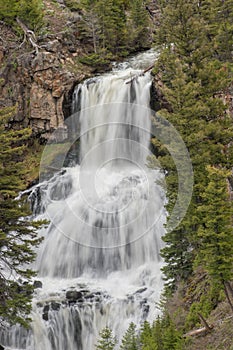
[(45, 314), (37, 284), (73, 295), (55, 306)]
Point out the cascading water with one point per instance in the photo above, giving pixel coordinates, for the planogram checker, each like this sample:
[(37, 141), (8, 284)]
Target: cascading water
[(99, 262)]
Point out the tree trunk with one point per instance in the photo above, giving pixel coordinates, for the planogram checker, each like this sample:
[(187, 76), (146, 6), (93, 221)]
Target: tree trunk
[(207, 326), (199, 331), (228, 284), (29, 34), (227, 295), (139, 75)]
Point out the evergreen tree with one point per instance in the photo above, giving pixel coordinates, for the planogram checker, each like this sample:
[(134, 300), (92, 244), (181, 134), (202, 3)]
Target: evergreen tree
[(89, 27), (171, 337), (114, 27), (147, 341), (129, 341), (107, 340), (216, 232), (165, 334), (219, 15), (140, 33), (191, 79), (17, 233), (29, 12), (112, 19)]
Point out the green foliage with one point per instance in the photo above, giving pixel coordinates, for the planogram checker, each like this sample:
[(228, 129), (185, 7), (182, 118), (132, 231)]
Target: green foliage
[(162, 335), (216, 232), (114, 27), (204, 307), (193, 74), (112, 17), (107, 340), (219, 15), (29, 12), (139, 23), (17, 234), (129, 341), (100, 60), (73, 5), (147, 341)]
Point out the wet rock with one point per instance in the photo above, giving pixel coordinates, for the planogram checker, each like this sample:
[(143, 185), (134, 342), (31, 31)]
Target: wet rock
[(46, 308), (2, 347), (89, 296), (78, 329), (55, 306), (141, 290), (37, 284), (84, 291), (73, 295), (45, 314), (97, 293), (146, 309)]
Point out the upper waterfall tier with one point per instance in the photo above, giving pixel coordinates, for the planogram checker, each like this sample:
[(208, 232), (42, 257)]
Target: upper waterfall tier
[(112, 219)]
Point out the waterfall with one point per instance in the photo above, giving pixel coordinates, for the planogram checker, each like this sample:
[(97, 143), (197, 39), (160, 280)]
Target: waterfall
[(99, 262)]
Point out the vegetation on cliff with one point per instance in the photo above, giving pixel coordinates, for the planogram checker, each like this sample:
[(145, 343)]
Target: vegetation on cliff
[(18, 235), (115, 28), (195, 76), (30, 12)]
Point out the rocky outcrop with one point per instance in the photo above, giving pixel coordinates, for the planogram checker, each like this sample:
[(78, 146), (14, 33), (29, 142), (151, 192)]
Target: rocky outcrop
[(39, 86)]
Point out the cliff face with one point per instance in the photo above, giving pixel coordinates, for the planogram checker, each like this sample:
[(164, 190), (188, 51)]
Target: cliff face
[(40, 87), (38, 78), (40, 84)]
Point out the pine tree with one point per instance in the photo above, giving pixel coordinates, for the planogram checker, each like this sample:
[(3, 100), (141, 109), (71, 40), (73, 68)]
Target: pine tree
[(219, 15), (89, 26), (140, 33), (112, 19), (129, 341), (107, 340), (165, 334), (191, 77), (216, 232), (29, 12), (17, 233), (147, 341), (171, 337)]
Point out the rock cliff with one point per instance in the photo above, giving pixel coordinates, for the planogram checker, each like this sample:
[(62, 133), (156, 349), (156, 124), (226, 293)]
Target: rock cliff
[(40, 84)]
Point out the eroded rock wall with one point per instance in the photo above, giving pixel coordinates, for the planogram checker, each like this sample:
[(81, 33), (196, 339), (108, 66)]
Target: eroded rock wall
[(38, 85)]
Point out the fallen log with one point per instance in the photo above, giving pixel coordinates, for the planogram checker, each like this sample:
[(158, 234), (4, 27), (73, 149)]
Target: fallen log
[(140, 74), (199, 331), (207, 326)]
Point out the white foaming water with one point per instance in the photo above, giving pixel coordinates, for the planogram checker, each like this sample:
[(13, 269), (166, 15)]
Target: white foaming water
[(106, 221)]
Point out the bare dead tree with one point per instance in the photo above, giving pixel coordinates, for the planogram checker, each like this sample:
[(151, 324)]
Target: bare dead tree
[(29, 35)]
